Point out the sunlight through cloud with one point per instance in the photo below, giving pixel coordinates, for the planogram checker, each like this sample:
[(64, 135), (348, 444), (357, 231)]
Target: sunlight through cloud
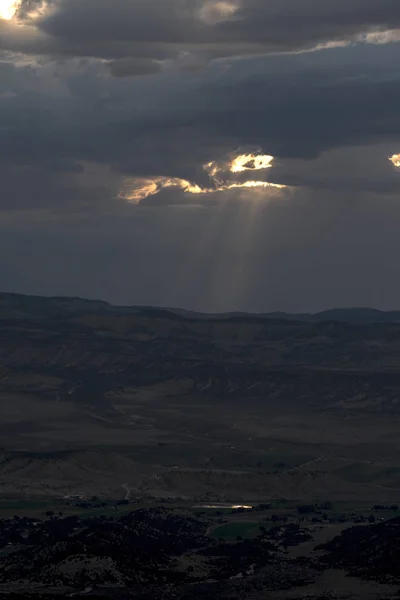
[(8, 9), (17, 10), (135, 190), (215, 12), (251, 162), (395, 160)]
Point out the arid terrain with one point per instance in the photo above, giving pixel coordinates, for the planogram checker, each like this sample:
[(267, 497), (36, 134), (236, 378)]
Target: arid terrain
[(96, 400), (108, 410)]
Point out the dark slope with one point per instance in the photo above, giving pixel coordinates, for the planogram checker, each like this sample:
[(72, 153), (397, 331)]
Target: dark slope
[(19, 306)]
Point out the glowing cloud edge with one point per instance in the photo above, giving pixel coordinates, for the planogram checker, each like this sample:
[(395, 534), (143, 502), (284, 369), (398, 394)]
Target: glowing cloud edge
[(135, 190)]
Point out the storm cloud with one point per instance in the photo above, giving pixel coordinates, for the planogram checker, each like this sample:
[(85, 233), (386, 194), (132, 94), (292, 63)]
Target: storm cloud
[(161, 29), (120, 125)]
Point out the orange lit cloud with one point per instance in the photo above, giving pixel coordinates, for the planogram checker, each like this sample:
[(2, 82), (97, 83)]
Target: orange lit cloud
[(135, 190)]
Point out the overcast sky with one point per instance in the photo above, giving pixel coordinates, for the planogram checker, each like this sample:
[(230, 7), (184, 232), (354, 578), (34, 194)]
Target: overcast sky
[(213, 155)]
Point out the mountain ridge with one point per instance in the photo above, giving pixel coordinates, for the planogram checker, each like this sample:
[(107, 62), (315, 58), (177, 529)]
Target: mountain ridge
[(15, 306)]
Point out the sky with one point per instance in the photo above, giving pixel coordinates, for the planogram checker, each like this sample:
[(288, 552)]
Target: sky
[(213, 155)]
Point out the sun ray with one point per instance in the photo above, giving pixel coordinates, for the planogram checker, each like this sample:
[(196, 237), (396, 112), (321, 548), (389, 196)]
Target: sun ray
[(197, 255), (234, 276)]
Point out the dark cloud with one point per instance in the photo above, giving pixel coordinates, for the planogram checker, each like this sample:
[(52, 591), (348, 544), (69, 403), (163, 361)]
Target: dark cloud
[(293, 107), (59, 187), (301, 23), (110, 110), (161, 29), (133, 66), (356, 169), (277, 24)]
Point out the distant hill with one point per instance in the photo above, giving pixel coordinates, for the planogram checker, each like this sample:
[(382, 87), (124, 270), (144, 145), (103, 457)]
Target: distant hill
[(345, 315), (19, 306)]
